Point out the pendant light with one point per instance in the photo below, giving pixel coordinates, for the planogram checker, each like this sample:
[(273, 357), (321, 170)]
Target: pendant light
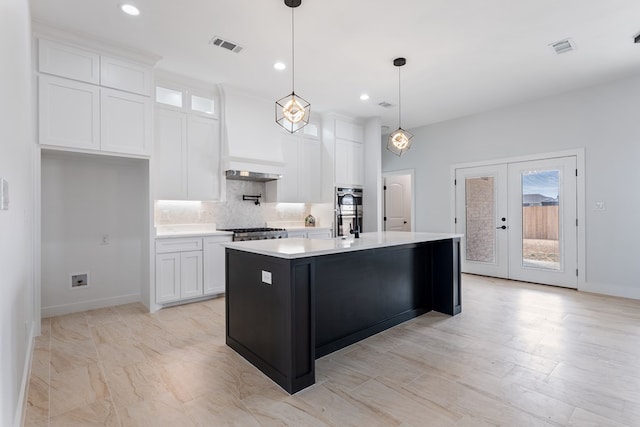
[(292, 111), (400, 140)]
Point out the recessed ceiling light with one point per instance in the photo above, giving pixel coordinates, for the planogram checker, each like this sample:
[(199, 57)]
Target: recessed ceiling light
[(130, 9), (364, 97), (280, 66)]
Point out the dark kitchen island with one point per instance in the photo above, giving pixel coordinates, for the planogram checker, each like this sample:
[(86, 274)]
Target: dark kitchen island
[(290, 301)]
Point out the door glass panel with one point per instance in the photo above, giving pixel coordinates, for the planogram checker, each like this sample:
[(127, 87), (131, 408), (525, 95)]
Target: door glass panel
[(540, 219), (480, 212)]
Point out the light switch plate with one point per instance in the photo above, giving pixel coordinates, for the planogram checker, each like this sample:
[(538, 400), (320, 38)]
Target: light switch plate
[(4, 195), (266, 277)]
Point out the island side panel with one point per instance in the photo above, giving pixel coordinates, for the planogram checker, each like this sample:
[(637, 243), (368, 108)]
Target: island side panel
[(447, 276), (359, 294), (269, 324)]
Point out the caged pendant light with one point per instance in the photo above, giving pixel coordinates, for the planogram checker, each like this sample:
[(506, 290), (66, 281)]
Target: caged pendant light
[(292, 111), (400, 140)]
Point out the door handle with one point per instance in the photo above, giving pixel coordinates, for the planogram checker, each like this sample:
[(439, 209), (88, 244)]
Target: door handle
[(503, 227)]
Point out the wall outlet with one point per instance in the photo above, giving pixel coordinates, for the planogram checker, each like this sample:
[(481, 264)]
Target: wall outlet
[(79, 280), (266, 277), (105, 239), (598, 206)]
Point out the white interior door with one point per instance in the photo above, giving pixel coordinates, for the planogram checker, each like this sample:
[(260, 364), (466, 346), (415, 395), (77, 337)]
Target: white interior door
[(543, 229), (397, 203), (481, 215), (519, 220)]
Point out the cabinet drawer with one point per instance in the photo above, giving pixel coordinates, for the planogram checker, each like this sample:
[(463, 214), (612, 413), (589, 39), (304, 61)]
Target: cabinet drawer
[(178, 245)]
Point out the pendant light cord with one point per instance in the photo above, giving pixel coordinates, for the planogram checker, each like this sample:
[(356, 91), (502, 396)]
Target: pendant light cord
[(399, 100), (293, 54)]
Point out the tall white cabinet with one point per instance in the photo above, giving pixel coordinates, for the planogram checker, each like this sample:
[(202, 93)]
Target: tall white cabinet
[(187, 147), (91, 102), (343, 152)]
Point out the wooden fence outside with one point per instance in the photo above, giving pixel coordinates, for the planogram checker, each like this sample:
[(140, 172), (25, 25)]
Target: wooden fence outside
[(540, 222)]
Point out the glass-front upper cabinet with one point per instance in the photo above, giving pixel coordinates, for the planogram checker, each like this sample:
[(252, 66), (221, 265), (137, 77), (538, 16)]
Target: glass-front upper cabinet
[(187, 98)]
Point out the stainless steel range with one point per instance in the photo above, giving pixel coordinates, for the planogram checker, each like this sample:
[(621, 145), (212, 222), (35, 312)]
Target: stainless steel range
[(242, 234)]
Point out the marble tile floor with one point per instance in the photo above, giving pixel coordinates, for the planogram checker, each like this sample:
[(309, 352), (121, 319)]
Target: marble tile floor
[(518, 355)]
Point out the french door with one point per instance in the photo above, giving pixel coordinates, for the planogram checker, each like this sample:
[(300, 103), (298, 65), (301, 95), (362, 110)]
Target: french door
[(520, 220)]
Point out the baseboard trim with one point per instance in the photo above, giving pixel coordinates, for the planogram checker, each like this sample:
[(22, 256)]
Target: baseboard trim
[(611, 290), (21, 407), (58, 310)]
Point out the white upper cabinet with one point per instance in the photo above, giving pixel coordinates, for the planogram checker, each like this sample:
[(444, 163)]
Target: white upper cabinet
[(170, 155), (343, 150), (68, 61), (286, 188), (126, 122), (69, 113), (186, 156), (75, 112), (203, 158), (309, 171), (349, 131), (125, 75), (349, 162), (300, 182)]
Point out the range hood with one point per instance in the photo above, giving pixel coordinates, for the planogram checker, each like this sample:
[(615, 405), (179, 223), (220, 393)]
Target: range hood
[(251, 176)]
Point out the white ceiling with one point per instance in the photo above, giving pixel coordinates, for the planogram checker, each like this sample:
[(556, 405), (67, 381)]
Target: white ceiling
[(463, 56)]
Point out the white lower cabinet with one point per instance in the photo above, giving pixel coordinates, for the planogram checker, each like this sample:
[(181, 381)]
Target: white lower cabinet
[(311, 233), (191, 283), (296, 233), (168, 277), (320, 233), (214, 264), (188, 268)]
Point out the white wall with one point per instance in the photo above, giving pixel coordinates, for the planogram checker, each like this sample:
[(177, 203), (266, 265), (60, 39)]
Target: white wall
[(16, 225), (603, 119), (83, 198)]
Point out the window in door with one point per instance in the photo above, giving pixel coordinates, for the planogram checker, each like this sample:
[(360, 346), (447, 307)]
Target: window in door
[(540, 219)]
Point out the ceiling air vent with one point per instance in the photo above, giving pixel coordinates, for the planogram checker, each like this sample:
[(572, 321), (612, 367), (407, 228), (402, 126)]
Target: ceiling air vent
[(563, 46), (385, 104), (226, 44)]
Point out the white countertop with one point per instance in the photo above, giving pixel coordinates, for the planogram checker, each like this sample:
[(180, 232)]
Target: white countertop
[(300, 248)]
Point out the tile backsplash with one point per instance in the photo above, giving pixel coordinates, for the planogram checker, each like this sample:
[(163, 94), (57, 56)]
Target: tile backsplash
[(236, 213)]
